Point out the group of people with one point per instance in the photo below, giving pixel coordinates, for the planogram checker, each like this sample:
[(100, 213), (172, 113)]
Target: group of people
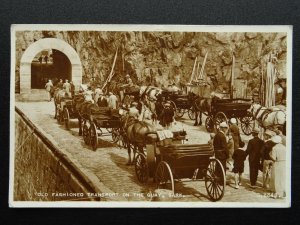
[(267, 155), (67, 86)]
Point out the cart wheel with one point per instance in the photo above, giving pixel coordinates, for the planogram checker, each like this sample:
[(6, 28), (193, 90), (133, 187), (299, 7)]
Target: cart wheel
[(209, 124), (59, 116), (174, 107), (247, 124), (215, 180), (93, 136), (86, 134), (141, 168), (115, 134), (164, 177), (219, 118), (191, 114), (66, 118)]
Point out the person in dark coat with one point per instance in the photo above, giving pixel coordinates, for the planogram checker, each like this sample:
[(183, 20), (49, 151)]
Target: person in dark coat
[(102, 101), (220, 144), (253, 150), (239, 157), (167, 115)]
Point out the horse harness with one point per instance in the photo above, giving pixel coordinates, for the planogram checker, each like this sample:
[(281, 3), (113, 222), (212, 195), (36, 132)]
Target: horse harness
[(265, 113)]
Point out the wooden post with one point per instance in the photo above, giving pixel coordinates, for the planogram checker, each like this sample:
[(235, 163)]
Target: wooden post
[(232, 77), (202, 68), (111, 71)]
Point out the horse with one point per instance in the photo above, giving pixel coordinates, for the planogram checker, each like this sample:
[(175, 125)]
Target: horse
[(83, 104), (269, 117), (136, 130), (58, 95), (200, 105)]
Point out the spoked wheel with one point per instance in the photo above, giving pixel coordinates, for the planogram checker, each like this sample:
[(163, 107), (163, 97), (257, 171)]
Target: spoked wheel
[(67, 118), (93, 136), (164, 177), (115, 134), (141, 168), (86, 134), (60, 116), (215, 180), (175, 108), (209, 124), (219, 118), (191, 113), (247, 124)]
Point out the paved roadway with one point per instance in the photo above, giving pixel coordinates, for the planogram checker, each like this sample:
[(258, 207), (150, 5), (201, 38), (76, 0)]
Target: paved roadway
[(107, 165)]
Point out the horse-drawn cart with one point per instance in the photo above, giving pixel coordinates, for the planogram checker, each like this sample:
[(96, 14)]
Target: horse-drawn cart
[(182, 103), (167, 163), (94, 119), (104, 119), (224, 109)]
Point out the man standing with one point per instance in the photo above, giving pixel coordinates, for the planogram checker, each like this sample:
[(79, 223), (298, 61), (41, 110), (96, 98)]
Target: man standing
[(67, 88), (49, 87), (112, 100), (253, 150), (266, 159), (220, 144)]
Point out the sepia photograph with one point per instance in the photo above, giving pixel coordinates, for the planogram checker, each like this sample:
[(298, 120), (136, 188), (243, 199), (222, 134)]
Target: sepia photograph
[(150, 116)]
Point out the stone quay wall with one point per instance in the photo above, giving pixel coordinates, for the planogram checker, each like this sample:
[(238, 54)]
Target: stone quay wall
[(41, 171)]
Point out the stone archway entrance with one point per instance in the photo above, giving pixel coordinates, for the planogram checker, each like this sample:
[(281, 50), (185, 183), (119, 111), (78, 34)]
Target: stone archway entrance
[(40, 45)]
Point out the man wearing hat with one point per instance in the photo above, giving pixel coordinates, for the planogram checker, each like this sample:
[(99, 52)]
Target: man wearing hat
[(102, 101), (220, 144), (253, 150), (278, 155), (266, 160)]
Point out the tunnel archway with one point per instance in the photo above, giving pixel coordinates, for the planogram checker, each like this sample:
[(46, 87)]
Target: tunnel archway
[(44, 44), (50, 65)]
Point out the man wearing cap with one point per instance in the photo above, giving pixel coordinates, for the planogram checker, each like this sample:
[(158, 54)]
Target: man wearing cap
[(102, 101), (253, 150), (266, 160), (220, 144), (278, 155)]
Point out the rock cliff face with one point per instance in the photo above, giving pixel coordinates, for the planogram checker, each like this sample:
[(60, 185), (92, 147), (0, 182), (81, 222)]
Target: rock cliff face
[(162, 57)]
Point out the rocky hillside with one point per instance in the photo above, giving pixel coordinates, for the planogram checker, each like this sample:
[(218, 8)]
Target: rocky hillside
[(161, 57)]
